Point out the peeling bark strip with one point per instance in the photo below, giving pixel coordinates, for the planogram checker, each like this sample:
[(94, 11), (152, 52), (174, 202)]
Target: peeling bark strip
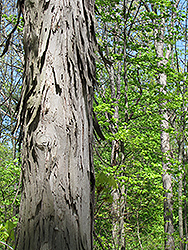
[(55, 109)]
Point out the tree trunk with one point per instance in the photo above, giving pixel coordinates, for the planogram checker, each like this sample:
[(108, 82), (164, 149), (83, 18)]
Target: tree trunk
[(165, 140), (58, 180), (118, 233), (185, 212), (180, 193), (167, 185)]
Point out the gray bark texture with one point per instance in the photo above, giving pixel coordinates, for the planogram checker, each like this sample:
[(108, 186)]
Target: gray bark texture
[(55, 115)]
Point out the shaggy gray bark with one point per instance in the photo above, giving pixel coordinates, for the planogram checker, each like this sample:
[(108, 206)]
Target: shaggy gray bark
[(55, 109)]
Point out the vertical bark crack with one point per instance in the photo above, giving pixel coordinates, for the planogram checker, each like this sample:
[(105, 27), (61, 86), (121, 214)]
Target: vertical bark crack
[(45, 51), (57, 87)]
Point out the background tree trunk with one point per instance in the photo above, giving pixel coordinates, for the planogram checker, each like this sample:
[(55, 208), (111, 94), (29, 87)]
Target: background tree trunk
[(180, 192), (165, 139), (58, 181)]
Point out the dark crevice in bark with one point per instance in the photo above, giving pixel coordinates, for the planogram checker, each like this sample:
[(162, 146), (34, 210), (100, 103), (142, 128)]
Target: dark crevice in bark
[(41, 29), (57, 87), (85, 15), (29, 114), (28, 243), (81, 71), (67, 241), (53, 7), (67, 24), (44, 53), (92, 27), (31, 91), (82, 39), (31, 144), (72, 74), (38, 208), (73, 103), (46, 5), (34, 155), (89, 71), (73, 25), (29, 165), (31, 70), (68, 68), (43, 89), (34, 45), (75, 82), (34, 123)]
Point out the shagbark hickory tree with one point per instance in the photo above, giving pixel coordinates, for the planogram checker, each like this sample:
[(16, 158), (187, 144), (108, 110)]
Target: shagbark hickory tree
[(56, 122)]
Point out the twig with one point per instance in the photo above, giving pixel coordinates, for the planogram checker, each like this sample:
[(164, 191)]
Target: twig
[(5, 244), (99, 240), (10, 34)]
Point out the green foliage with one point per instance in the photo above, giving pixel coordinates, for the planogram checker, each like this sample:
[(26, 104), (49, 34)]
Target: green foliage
[(132, 120), (9, 194)]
